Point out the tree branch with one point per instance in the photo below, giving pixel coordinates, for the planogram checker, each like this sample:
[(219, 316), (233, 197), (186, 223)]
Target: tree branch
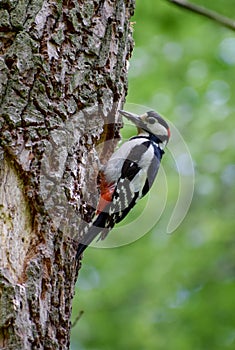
[(214, 16)]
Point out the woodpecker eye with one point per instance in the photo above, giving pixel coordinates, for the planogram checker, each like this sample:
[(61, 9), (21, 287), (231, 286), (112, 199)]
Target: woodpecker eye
[(151, 120)]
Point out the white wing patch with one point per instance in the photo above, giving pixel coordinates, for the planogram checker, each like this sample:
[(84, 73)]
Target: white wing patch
[(137, 184)]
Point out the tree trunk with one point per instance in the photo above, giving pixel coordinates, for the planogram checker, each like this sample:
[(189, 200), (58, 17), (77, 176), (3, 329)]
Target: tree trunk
[(62, 80)]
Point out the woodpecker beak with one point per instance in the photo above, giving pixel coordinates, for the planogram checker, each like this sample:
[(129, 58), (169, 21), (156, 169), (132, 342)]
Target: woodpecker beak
[(134, 118)]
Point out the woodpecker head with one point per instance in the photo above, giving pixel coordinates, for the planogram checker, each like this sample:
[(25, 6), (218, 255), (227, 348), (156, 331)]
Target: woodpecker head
[(152, 124)]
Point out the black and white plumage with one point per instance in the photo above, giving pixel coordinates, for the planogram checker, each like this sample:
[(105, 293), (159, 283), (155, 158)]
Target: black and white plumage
[(129, 174)]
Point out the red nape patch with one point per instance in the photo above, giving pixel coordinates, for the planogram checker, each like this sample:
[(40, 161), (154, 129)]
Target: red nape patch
[(169, 133), (105, 195)]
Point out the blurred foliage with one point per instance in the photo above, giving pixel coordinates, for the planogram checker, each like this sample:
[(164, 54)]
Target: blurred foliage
[(174, 291)]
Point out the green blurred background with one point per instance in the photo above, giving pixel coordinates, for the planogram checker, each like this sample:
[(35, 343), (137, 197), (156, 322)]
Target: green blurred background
[(174, 291)]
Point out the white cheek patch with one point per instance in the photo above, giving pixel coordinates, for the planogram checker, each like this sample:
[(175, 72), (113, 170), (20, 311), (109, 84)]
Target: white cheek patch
[(159, 129)]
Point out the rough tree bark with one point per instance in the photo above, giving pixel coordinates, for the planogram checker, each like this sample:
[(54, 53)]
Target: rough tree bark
[(62, 80)]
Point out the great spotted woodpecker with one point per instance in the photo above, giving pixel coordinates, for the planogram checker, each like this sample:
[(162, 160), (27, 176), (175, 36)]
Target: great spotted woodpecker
[(129, 174)]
